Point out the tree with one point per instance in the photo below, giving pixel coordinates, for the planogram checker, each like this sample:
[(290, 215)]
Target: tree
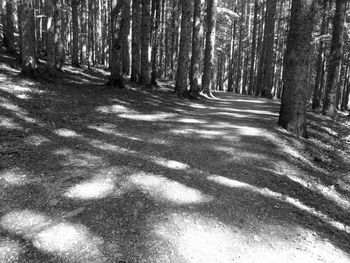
[(197, 36), (76, 30), (84, 32), (145, 77), (50, 38), (116, 77), (9, 31), (125, 38), (28, 41), (185, 46), (136, 41), (296, 63), (333, 69), (59, 49), (209, 53)]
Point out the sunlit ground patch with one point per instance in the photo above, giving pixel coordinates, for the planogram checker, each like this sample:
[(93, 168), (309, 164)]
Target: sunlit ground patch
[(95, 188), (171, 164), (81, 159), (160, 116), (207, 134), (10, 251), (165, 190), (13, 177), (112, 129), (9, 123), (36, 140), (190, 120), (117, 109), (282, 198), (66, 133), (70, 241)]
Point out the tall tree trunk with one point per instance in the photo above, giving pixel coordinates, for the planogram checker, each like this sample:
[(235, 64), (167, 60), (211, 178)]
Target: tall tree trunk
[(329, 104), (76, 31), (155, 44), (185, 47), (252, 61), (269, 36), (136, 41), (320, 59), (145, 78), (59, 45), (294, 99), (50, 38), (125, 33), (197, 38), (84, 32), (91, 39), (9, 32), (238, 84), (28, 41), (116, 77), (346, 90), (209, 54)]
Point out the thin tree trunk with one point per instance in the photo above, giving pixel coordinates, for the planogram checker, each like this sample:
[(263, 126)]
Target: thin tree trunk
[(252, 61), (125, 33), (136, 41), (209, 55), (9, 30), (185, 47), (145, 78), (197, 39), (155, 46), (76, 29), (329, 104), (84, 32), (59, 48), (116, 77), (50, 38)]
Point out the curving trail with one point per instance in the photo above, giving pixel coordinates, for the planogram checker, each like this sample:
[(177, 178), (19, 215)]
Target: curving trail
[(92, 174)]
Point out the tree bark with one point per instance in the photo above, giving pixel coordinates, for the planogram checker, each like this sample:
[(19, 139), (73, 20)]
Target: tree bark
[(84, 32), (9, 29), (252, 61), (136, 41), (197, 38), (185, 47), (59, 46), (116, 77), (329, 104), (125, 33), (296, 63), (145, 77), (28, 41), (209, 55), (76, 31), (50, 39), (155, 44)]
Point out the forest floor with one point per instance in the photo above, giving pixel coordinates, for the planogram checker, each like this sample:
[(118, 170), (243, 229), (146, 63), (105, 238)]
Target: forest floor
[(94, 174)]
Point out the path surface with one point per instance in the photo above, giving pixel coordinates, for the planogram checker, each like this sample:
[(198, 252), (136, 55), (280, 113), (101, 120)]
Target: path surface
[(90, 174)]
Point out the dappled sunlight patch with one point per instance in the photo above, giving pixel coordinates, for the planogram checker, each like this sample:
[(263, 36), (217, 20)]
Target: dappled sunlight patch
[(165, 190), (278, 196), (36, 140), (190, 121), (17, 111), (10, 251), (114, 109), (13, 177), (96, 188), (112, 129), (159, 116), (9, 123), (66, 133), (71, 241), (170, 163), (309, 182), (199, 239)]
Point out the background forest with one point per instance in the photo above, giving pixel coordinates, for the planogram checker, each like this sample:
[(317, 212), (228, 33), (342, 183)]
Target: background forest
[(174, 131)]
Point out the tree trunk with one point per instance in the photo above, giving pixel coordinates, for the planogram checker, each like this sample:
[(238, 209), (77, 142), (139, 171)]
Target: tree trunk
[(197, 38), (116, 77), (329, 104), (296, 63), (136, 41), (84, 32), (185, 47), (125, 38), (155, 44), (28, 42), (269, 35), (9, 30), (252, 61), (209, 55), (50, 38), (76, 35), (59, 48), (346, 90), (145, 78)]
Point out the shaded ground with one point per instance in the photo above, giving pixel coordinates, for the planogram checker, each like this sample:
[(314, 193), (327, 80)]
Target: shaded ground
[(93, 174)]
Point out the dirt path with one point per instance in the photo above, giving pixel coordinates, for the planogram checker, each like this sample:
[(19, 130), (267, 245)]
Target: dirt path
[(90, 174)]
